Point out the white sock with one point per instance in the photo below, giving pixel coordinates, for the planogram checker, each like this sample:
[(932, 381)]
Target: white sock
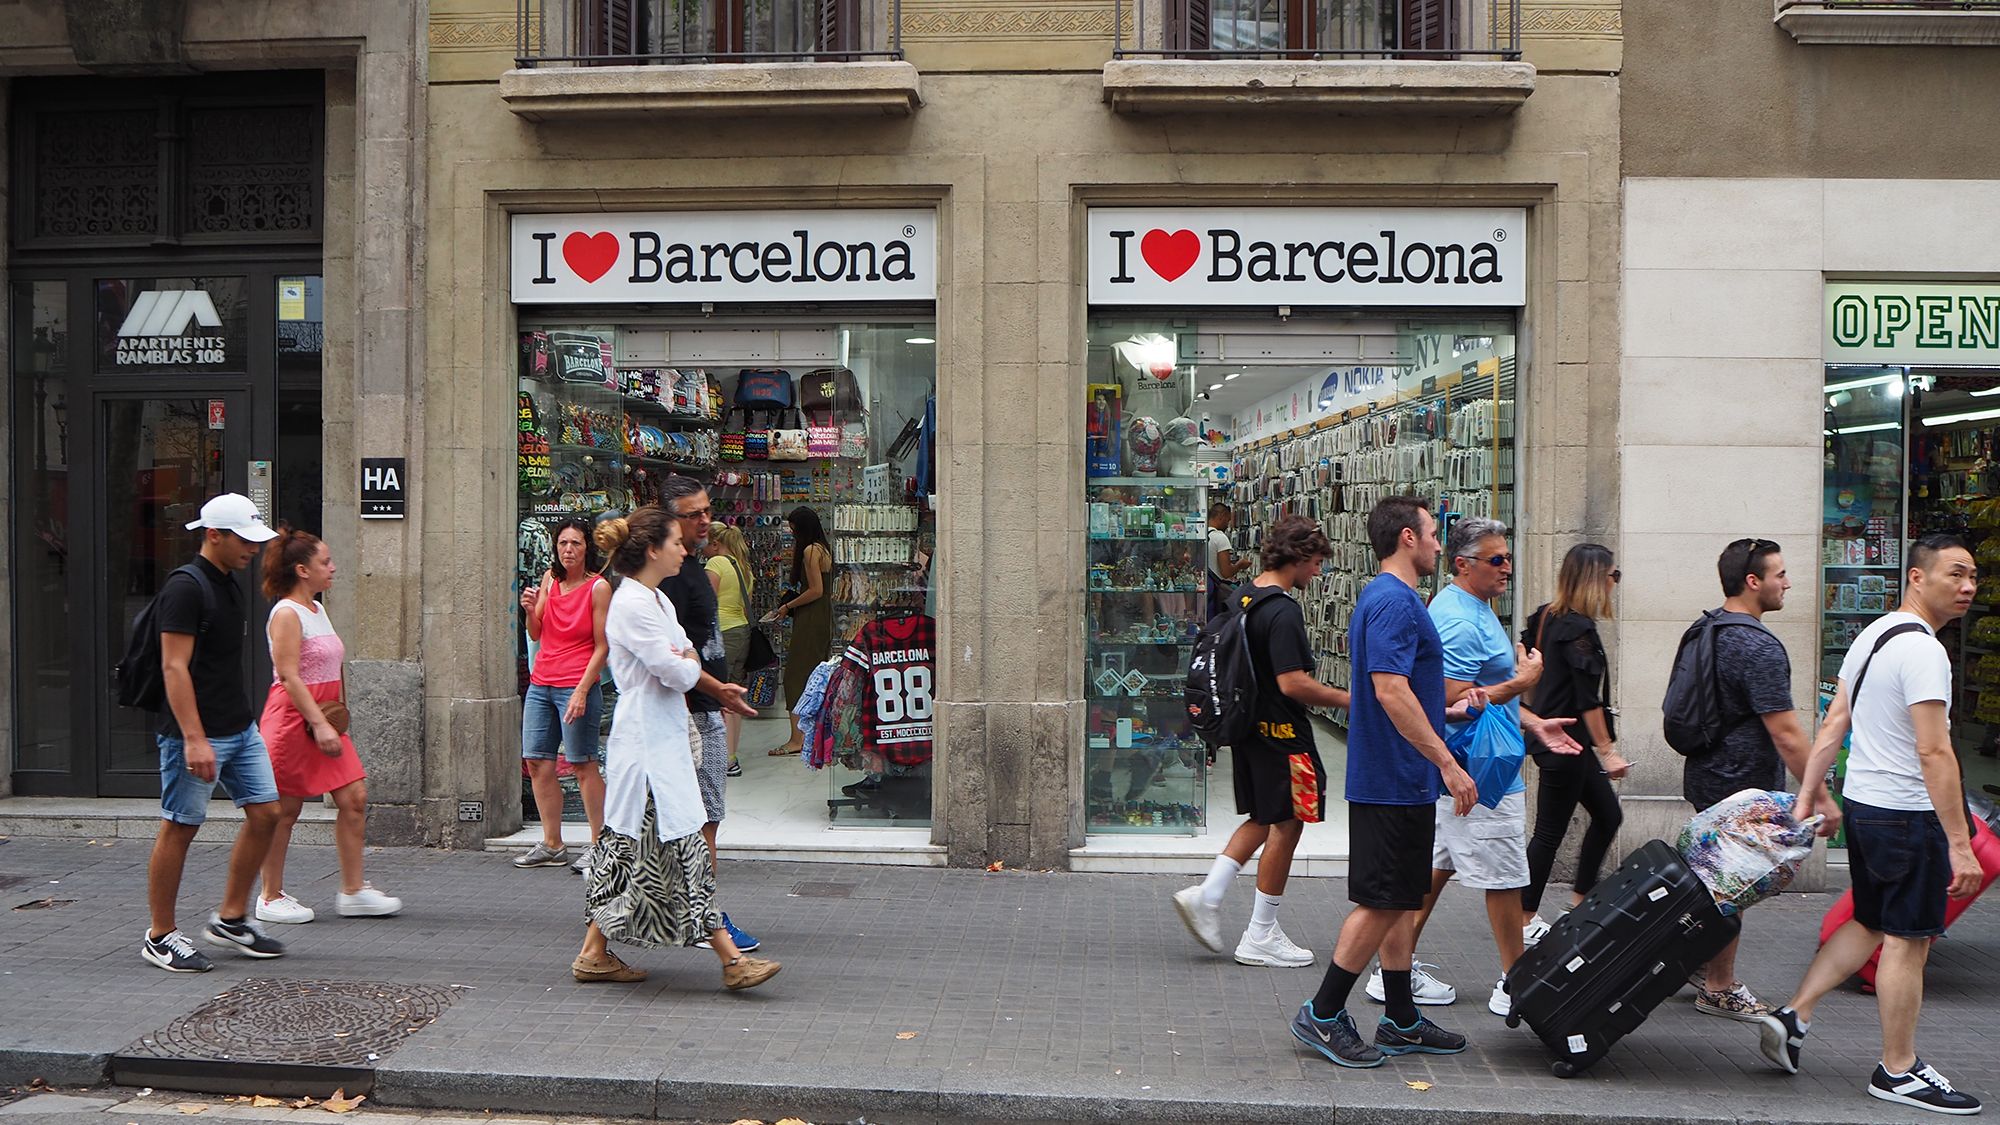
[(1219, 878), (1264, 915)]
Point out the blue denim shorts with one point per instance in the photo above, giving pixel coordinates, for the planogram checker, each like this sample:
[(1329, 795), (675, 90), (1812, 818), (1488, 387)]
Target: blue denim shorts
[(1901, 867), (242, 765), (542, 728)]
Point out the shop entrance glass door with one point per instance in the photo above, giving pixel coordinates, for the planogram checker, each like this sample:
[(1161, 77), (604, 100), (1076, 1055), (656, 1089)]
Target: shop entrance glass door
[(159, 457)]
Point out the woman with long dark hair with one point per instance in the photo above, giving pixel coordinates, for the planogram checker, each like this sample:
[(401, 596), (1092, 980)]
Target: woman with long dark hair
[(305, 727), (565, 616), (810, 607), (1575, 684), (653, 882)]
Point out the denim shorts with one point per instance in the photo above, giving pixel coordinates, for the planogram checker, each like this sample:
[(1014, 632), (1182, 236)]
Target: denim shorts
[(542, 728), (1901, 867), (242, 765)]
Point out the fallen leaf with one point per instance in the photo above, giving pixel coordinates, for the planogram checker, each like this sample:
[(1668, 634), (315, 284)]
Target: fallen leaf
[(746, 1121), (341, 1103), (304, 1103), (899, 1035), (1418, 1086), (261, 1102), (996, 865), (190, 1109), (790, 1121)]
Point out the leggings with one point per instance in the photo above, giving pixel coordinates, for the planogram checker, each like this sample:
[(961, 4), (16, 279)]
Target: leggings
[(1565, 784)]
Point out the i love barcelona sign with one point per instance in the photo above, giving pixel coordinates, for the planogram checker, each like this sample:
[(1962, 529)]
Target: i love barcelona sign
[(598, 257), (1308, 256)]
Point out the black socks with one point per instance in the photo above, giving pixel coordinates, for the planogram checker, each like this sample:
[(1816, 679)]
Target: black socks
[(1333, 991), (1397, 1002)]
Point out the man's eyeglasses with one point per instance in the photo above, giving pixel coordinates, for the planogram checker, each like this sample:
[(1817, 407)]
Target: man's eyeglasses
[(698, 513), (1491, 560)]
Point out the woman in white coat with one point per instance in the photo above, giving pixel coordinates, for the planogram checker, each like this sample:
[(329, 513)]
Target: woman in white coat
[(652, 884)]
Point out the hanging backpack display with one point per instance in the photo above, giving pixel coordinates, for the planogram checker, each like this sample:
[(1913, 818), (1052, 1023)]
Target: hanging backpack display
[(789, 444), (830, 390), (764, 390)]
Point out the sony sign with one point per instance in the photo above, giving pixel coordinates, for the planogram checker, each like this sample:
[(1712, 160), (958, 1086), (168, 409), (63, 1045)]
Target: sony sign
[(725, 256), (155, 330), (1308, 256)]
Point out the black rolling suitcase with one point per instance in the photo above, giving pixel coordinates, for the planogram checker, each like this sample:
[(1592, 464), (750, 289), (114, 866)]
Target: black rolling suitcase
[(1607, 964)]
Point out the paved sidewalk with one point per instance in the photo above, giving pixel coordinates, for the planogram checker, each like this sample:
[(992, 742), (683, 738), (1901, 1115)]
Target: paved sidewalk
[(913, 995)]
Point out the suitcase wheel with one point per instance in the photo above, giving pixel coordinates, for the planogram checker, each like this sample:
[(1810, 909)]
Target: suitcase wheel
[(1561, 1068), (1513, 1020)]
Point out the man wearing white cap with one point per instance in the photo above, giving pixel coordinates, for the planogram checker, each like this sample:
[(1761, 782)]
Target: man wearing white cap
[(208, 734)]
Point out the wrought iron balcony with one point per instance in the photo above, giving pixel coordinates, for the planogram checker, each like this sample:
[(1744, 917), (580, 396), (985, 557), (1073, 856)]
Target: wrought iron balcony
[(1319, 29), (571, 33)]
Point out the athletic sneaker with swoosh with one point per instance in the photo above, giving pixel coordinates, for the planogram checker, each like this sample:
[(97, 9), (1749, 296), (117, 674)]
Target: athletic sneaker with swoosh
[(1335, 1039)]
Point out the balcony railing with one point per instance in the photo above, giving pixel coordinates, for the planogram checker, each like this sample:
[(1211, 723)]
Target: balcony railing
[(1918, 23), (644, 32), (1318, 29)]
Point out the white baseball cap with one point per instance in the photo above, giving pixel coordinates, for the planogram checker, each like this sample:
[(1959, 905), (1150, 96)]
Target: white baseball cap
[(233, 512)]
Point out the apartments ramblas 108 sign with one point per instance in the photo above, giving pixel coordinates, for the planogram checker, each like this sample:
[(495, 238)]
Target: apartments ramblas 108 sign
[(1912, 322), (1468, 256), (600, 258)]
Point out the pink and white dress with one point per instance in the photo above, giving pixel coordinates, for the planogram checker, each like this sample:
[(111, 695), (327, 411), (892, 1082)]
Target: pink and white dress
[(301, 770)]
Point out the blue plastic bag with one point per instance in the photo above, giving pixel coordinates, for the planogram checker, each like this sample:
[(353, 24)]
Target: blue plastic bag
[(1490, 748)]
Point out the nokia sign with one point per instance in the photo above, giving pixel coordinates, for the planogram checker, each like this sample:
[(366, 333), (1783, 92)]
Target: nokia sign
[(155, 330)]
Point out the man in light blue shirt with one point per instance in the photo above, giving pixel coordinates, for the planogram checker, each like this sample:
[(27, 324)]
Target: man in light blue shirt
[(1486, 849)]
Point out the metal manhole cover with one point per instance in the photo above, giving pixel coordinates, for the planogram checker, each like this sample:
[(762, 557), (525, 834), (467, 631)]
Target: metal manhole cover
[(318, 1022), (811, 889)]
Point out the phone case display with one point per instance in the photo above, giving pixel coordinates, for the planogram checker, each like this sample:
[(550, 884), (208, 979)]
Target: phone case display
[(1449, 440), (1144, 598), (1954, 485)]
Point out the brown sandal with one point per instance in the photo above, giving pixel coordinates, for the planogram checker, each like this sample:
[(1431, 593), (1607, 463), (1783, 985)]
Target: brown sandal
[(609, 971), (746, 971), (782, 751)]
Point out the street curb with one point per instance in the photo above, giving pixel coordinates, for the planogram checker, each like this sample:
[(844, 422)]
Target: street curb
[(20, 1066)]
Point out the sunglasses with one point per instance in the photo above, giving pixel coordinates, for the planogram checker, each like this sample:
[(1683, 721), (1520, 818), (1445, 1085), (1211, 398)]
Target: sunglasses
[(1491, 560)]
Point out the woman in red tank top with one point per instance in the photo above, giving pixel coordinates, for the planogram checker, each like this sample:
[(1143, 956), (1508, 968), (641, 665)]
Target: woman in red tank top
[(565, 616)]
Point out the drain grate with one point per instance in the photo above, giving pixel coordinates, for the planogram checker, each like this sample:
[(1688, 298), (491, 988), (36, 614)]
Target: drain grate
[(812, 889), (311, 1022)]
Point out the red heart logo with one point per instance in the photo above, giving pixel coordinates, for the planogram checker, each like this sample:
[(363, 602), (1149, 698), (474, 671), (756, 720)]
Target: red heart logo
[(591, 256), (1170, 255)]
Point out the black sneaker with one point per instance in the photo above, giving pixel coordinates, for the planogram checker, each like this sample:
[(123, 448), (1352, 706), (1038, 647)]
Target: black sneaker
[(244, 936), (1781, 1038), (1924, 1088), (1335, 1039), (1421, 1038), (174, 953)]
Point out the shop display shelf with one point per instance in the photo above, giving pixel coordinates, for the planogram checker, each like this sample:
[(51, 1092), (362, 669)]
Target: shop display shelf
[(677, 466), (1861, 566), (1129, 482), (587, 450), (1144, 590), (1144, 644), (1149, 538)]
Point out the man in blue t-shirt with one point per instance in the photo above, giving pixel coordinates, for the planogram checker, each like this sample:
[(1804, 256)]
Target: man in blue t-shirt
[(1487, 848), (1397, 765)]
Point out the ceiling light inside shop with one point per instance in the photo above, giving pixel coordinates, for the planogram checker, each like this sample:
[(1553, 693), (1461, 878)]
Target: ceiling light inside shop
[(1839, 398), (1894, 389), (1215, 386), (1236, 375), (1857, 384), (920, 340), (1982, 394), (1968, 416), (1867, 429)]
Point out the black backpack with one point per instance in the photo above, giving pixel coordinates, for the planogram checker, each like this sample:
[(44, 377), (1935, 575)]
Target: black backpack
[(1222, 674), (140, 681), (1691, 714)]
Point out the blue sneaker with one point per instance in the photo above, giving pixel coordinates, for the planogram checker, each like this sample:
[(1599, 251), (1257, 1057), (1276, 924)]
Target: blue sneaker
[(1420, 1038), (744, 942), (1335, 1039)]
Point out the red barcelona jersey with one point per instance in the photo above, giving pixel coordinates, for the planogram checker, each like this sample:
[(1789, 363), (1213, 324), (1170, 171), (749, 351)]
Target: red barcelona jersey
[(897, 702)]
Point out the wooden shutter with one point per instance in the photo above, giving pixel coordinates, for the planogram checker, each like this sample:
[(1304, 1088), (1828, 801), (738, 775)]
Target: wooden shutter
[(839, 27), (1187, 25), (1426, 25), (1301, 25), (608, 27)]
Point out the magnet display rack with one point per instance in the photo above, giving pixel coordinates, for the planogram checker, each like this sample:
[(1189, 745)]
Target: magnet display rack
[(1450, 441)]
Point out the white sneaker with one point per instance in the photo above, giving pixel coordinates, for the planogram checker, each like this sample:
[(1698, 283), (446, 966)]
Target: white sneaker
[(1500, 1004), (1274, 950), (367, 903), (284, 909), (584, 860), (1203, 921), (1534, 931), (1424, 988)]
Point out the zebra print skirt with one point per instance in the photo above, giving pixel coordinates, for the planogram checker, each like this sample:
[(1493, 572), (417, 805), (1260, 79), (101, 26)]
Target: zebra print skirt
[(647, 893)]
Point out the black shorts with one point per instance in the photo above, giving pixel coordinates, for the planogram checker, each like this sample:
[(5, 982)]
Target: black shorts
[(1264, 779), (1900, 863), (1389, 854)]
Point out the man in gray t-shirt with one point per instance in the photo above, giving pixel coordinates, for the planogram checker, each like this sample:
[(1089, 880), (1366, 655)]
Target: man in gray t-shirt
[(1765, 739)]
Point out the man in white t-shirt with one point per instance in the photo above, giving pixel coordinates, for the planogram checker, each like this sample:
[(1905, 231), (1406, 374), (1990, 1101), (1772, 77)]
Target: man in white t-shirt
[(1909, 845), (1224, 568)]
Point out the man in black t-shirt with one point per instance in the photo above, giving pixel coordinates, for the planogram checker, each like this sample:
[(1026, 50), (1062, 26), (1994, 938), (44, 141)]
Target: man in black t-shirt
[(1277, 771), (695, 604), (1763, 741), (209, 734)]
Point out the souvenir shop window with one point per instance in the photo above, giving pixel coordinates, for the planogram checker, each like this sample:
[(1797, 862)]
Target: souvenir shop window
[(838, 419)]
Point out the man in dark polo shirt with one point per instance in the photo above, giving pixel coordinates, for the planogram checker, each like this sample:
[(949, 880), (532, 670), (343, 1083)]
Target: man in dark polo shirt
[(209, 734), (695, 604)]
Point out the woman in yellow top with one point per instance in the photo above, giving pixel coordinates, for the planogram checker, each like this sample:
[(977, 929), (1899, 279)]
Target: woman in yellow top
[(729, 572)]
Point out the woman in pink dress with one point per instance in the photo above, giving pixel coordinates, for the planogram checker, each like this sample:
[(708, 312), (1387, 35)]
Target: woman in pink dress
[(308, 756)]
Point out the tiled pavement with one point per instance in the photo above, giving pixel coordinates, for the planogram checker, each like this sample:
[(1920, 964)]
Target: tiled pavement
[(1031, 996)]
